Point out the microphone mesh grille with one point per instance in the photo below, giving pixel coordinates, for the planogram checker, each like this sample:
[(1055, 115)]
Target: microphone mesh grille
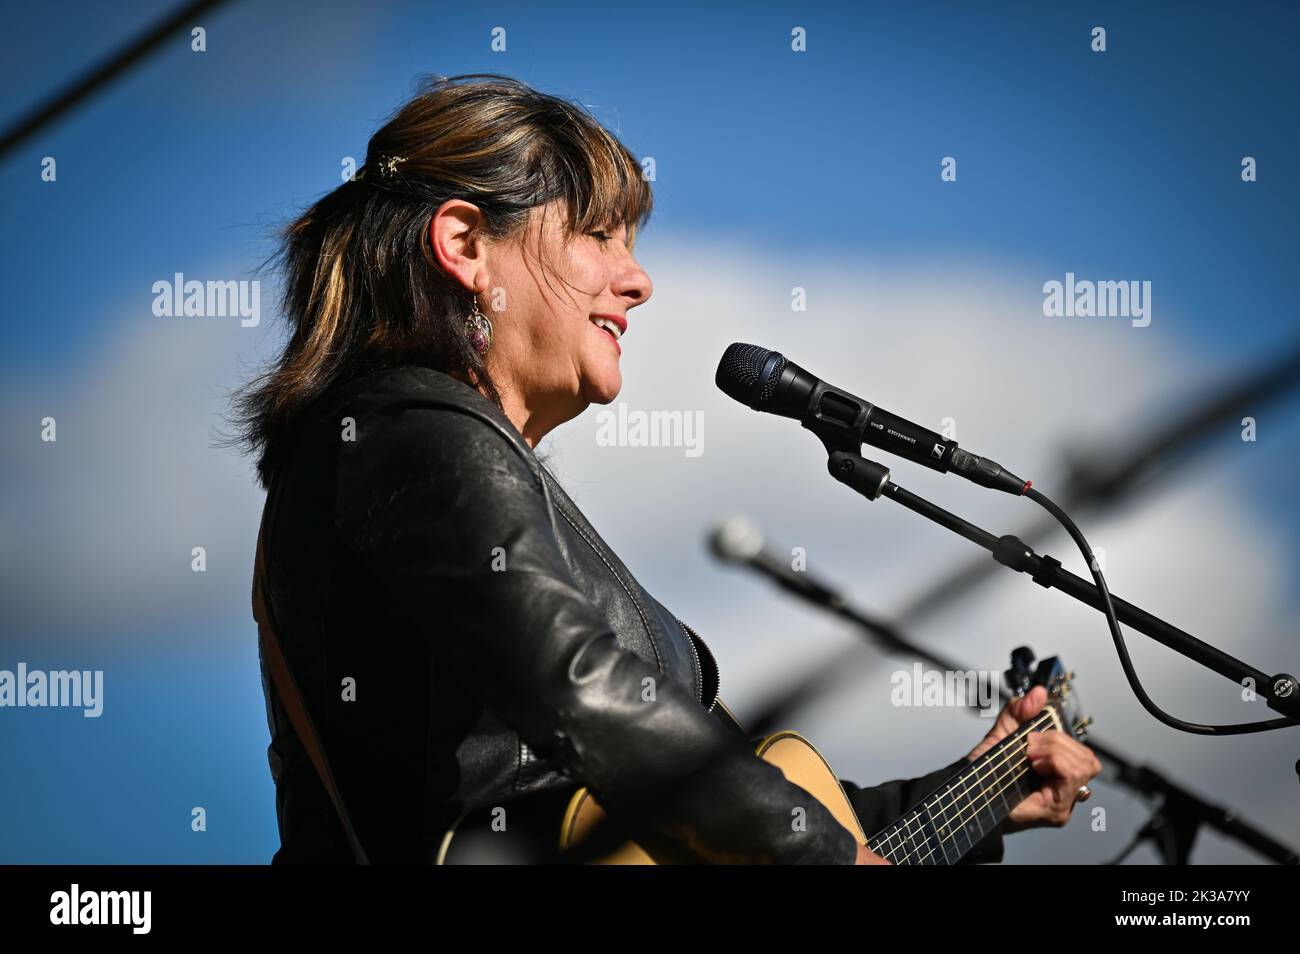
[(769, 386), (739, 369)]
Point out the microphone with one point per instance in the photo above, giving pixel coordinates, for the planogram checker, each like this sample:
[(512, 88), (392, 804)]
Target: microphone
[(739, 540), (767, 381)]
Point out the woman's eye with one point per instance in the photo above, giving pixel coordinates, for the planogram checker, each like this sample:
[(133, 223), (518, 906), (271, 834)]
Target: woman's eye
[(600, 236)]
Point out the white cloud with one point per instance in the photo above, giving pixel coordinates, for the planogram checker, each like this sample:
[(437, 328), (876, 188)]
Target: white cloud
[(930, 342), (99, 525), (98, 528)]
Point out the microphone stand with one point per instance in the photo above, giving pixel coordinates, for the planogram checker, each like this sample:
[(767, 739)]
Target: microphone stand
[(871, 480), (1180, 813), (1176, 821), (1088, 483)]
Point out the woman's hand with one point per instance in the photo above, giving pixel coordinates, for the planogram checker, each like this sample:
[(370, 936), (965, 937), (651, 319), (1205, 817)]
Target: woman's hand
[(868, 857), (1064, 764)]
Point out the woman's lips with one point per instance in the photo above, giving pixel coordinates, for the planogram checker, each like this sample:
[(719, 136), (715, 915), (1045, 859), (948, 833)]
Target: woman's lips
[(617, 320), (610, 336)]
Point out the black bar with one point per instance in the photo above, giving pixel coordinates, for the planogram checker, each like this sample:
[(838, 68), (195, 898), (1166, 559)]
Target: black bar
[(1048, 572), (109, 69)]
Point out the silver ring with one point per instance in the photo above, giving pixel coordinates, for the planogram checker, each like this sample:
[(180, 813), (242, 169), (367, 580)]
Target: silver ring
[(1083, 794)]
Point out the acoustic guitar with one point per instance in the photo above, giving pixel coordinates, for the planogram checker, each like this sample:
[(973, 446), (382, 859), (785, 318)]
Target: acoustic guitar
[(571, 827)]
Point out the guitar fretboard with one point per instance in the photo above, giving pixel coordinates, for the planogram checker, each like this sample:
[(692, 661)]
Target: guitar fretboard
[(955, 817)]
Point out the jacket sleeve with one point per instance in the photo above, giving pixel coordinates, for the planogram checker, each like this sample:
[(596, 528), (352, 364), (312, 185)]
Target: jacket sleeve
[(448, 515), (881, 805)]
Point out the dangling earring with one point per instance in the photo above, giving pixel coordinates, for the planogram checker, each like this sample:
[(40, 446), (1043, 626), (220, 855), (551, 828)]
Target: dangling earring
[(479, 329)]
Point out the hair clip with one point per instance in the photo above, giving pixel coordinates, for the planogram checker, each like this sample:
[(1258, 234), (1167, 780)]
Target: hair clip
[(388, 164)]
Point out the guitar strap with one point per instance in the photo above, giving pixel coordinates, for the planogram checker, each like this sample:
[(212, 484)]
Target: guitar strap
[(286, 687), (727, 718)]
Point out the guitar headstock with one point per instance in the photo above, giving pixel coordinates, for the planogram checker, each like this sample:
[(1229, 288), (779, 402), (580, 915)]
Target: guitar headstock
[(1061, 698)]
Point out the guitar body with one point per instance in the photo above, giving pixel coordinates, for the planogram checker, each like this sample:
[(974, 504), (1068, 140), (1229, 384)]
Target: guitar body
[(571, 827), (796, 757)]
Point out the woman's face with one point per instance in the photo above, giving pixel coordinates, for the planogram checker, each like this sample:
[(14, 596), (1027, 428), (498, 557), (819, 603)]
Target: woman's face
[(544, 297)]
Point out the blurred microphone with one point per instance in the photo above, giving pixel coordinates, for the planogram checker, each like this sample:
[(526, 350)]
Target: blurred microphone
[(738, 540), (766, 381)]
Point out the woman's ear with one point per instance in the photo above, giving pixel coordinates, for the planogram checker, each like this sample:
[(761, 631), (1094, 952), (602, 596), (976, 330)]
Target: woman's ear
[(456, 234)]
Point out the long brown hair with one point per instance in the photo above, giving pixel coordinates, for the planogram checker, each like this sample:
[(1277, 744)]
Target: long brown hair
[(361, 287)]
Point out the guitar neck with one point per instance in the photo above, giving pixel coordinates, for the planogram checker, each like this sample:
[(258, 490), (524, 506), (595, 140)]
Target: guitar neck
[(955, 817)]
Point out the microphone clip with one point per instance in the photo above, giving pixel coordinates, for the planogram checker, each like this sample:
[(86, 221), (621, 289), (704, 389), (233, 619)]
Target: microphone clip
[(855, 471)]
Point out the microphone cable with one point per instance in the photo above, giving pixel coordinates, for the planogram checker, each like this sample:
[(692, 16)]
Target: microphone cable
[(1125, 662)]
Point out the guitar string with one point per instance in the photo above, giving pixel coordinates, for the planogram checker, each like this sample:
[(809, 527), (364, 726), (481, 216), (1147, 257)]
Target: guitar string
[(984, 771), (1014, 779), (910, 845), (979, 777), (911, 848)]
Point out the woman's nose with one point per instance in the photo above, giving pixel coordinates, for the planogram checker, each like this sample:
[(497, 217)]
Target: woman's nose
[(632, 284)]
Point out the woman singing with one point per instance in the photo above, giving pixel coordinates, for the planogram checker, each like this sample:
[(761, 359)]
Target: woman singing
[(461, 636)]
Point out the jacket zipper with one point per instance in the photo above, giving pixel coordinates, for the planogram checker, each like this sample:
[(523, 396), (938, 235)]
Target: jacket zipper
[(692, 637), (697, 643)]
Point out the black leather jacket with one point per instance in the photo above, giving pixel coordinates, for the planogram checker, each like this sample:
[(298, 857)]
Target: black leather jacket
[(461, 644)]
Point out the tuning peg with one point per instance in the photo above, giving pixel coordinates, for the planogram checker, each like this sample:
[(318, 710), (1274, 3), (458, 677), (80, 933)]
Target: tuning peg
[(1081, 726), (1020, 676)]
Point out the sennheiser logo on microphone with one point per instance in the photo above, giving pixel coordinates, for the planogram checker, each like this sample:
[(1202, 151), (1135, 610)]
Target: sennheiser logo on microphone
[(1089, 299)]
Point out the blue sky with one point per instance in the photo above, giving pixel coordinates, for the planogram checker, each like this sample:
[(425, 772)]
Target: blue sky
[(1122, 165), (1117, 163)]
